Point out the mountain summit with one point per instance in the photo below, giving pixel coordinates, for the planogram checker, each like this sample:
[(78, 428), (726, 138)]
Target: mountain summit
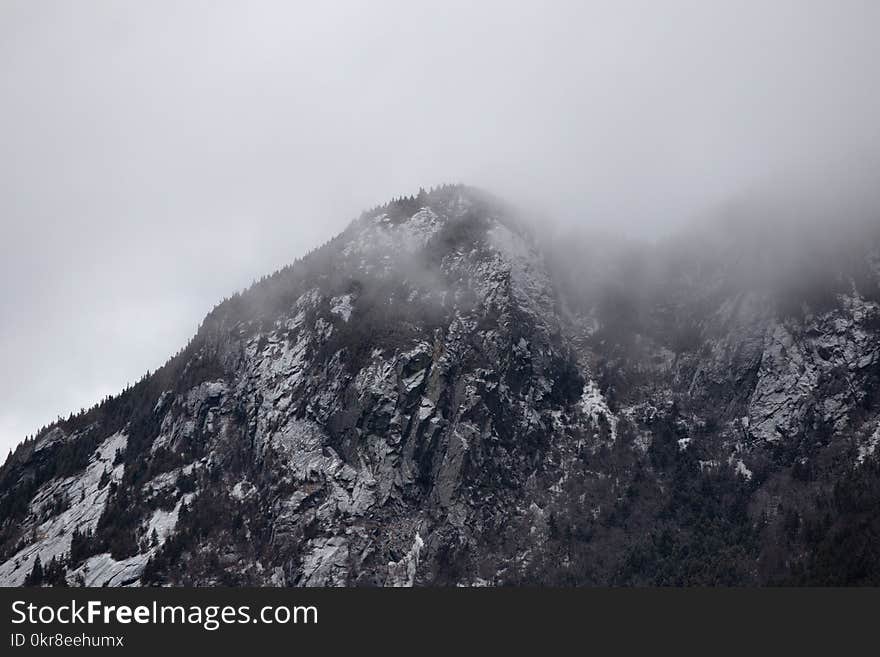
[(439, 397)]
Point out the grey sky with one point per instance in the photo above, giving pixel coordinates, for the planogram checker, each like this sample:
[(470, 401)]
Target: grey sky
[(156, 156)]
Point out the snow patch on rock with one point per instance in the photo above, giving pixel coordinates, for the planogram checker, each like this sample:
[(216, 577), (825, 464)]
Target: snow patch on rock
[(402, 573), (104, 570), (86, 499), (342, 306), (593, 405), (869, 447)]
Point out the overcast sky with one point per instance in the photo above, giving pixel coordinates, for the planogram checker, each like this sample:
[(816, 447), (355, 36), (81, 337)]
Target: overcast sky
[(156, 156)]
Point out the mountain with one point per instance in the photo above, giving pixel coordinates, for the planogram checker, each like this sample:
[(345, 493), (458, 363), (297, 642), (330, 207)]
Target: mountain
[(442, 395)]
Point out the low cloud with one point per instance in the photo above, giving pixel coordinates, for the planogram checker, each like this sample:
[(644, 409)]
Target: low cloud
[(159, 156)]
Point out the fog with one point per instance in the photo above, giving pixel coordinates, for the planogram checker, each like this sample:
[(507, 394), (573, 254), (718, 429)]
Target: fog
[(157, 156)]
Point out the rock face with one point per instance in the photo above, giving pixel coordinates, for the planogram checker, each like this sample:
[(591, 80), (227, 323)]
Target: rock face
[(425, 400)]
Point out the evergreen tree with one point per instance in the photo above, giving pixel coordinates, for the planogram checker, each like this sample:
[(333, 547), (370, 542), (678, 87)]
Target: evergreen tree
[(36, 575)]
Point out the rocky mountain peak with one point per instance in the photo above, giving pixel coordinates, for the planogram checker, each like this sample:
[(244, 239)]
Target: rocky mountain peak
[(437, 397)]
